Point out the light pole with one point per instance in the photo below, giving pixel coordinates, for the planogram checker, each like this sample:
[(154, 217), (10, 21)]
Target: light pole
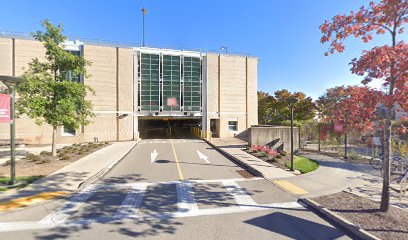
[(11, 82), (144, 12), (292, 102), (345, 136)]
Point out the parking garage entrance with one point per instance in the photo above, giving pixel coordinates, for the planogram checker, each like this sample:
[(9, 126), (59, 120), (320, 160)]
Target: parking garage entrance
[(167, 127)]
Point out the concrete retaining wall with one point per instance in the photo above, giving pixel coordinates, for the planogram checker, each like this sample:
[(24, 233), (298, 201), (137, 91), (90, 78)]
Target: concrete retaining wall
[(277, 137)]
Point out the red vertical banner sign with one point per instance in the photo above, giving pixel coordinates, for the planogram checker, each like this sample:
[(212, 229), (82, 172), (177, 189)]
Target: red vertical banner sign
[(4, 108)]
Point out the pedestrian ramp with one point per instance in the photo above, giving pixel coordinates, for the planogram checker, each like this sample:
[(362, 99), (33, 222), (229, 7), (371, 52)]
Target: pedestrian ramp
[(104, 203)]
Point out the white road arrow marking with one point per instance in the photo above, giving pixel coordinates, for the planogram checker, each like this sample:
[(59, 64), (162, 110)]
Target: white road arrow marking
[(202, 156), (153, 155)]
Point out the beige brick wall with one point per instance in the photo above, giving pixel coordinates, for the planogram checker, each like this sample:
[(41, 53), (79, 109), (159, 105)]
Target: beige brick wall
[(212, 88), (103, 79), (125, 93), (25, 52), (252, 91), (228, 77), (6, 56)]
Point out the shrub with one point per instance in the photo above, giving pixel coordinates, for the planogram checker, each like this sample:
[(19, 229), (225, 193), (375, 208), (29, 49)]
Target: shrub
[(35, 158), (7, 163), (353, 155), (45, 153), (65, 158), (28, 156), (62, 154)]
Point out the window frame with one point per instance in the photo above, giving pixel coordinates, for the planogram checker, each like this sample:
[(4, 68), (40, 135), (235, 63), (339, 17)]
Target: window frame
[(234, 125), (64, 133)]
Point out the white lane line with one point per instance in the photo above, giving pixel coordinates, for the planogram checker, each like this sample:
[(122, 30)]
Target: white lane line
[(202, 156), (240, 196), (185, 197), (131, 203), (153, 155), (70, 206)]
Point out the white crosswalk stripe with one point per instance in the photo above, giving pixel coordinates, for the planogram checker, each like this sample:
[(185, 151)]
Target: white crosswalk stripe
[(240, 196), (132, 201), (70, 206), (129, 207), (186, 201)]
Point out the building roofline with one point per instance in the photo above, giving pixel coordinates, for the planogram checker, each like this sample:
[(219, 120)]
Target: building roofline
[(120, 44)]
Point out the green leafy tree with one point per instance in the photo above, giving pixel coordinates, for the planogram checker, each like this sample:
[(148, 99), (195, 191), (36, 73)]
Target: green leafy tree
[(47, 96), (275, 110)]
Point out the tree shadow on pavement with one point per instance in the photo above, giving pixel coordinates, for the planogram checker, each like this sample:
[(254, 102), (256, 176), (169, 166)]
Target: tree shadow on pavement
[(153, 217), (52, 183), (295, 227)]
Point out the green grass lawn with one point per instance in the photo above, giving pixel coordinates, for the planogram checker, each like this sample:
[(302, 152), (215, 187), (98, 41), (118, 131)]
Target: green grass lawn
[(26, 180), (303, 164)]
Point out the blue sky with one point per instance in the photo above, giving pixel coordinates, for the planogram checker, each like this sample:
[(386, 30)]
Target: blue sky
[(284, 35)]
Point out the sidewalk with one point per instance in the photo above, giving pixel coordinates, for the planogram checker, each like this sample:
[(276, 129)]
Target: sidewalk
[(75, 175), (232, 147), (333, 175)]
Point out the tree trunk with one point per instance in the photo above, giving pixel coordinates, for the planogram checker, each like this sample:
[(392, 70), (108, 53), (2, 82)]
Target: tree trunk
[(54, 142), (385, 196)]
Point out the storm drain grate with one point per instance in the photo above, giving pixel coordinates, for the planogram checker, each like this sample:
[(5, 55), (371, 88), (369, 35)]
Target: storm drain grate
[(244, 173)]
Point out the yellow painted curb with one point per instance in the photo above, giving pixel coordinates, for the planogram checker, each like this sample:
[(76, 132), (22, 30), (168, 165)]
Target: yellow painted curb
[(290, 187), (26, 201)]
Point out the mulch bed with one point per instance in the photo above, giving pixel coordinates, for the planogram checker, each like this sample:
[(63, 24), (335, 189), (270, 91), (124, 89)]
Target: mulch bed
[(25, 168), (391, 225)]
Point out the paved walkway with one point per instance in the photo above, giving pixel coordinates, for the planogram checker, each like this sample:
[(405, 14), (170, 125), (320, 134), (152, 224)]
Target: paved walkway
[(232, 147), (73, 176), (333, 175)]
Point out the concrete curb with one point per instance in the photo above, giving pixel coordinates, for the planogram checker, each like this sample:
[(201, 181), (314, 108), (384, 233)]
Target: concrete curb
[(337, 219), (105, 170), (236, 160)]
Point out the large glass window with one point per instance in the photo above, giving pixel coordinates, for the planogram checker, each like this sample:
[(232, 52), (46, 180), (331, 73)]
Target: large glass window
[(192, 85), (149, 82), (171, 83), (70, 75)]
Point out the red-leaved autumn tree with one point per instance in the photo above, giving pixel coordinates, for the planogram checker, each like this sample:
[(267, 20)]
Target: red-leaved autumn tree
[(388, 62), (353, 107)]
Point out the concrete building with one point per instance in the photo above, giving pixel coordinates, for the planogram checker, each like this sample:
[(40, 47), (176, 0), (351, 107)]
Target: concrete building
[(145, 92)]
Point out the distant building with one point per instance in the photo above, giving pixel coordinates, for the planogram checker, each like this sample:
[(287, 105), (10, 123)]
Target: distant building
[(145, 92)]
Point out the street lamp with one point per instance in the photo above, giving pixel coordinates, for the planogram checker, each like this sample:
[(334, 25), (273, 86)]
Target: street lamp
[(11, 82), (144, 12), (292, 102)]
